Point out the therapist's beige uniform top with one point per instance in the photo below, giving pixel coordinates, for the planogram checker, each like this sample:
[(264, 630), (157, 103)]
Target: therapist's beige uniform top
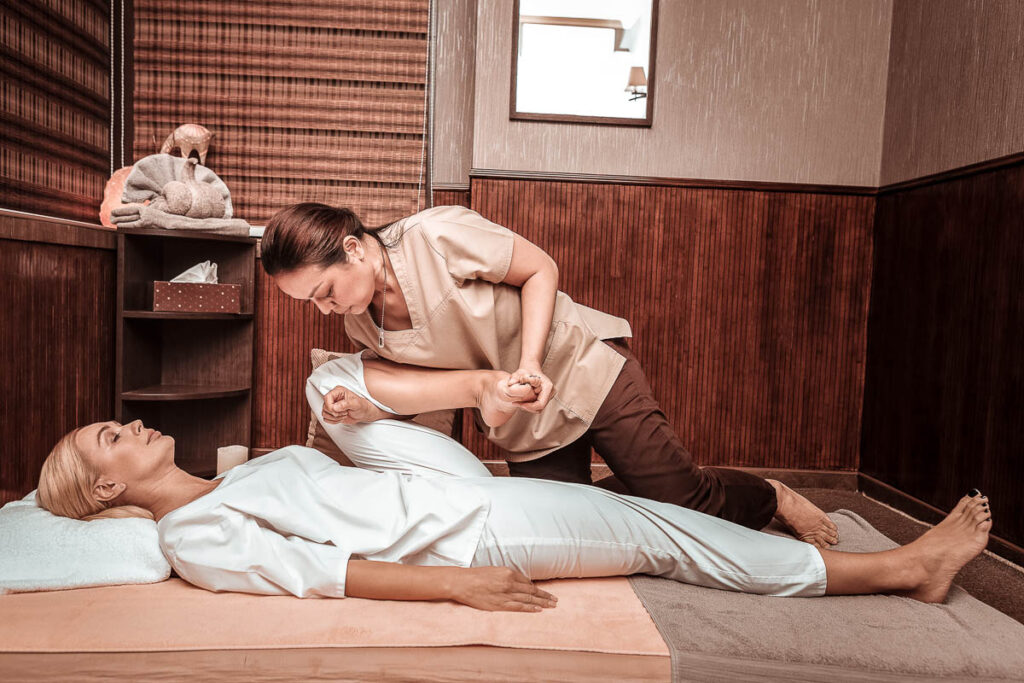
[(450, 262)]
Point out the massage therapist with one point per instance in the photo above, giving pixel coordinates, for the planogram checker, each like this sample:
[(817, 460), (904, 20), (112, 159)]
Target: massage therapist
[(446, 288)]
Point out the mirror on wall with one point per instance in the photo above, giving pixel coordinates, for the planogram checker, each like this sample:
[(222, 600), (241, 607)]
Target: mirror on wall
[(584, 61)]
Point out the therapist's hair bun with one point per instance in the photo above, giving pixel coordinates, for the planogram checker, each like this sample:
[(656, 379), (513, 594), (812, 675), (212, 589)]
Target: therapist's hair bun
[(308, 234)]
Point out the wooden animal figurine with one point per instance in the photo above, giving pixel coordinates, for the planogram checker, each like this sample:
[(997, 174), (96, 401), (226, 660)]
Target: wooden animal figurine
[(189, 137)]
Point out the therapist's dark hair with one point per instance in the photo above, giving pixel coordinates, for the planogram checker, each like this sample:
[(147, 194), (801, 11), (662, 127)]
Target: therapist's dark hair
[(309, 234)]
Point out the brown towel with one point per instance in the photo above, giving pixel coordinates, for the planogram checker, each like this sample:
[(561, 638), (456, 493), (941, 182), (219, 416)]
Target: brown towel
[(718, 635)]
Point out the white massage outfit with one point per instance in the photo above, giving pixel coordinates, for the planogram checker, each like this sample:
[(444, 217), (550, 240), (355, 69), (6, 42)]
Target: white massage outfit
[(288, 522), (387, 445)]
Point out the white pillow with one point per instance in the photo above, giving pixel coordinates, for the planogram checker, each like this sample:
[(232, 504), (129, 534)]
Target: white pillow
[(40, 551)]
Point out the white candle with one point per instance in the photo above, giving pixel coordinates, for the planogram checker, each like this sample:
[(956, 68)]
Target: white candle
[(229, 456)]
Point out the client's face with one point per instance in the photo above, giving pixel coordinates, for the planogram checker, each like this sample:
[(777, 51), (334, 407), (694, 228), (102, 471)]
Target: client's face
[(341, 288), (124, 452)]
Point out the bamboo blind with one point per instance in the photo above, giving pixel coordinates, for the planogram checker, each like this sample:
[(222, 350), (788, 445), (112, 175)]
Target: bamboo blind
[(311, 100), (55, 116)]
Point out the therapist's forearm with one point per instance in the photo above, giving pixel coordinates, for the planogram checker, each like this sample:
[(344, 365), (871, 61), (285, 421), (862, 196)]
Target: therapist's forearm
[(538, 306)]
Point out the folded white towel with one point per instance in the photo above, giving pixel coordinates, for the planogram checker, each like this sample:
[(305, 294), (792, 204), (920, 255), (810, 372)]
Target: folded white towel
[(40, 551)]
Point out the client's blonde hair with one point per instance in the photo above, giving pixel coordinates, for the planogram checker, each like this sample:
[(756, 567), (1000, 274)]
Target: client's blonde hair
[(65, 486)]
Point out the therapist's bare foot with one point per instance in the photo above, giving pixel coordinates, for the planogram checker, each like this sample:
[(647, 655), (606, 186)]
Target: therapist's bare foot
[(803, 518), (498, 400), (944, 549)]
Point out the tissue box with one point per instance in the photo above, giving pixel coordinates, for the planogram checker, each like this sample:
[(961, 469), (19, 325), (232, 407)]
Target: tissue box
[(195, 297)]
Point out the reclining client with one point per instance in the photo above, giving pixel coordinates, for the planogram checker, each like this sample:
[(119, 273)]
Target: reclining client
[(296, 522)]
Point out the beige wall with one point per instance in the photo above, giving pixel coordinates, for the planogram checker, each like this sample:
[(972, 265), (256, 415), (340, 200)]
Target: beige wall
[(779, 90), (453, 94), (956, 85), (772, 90)]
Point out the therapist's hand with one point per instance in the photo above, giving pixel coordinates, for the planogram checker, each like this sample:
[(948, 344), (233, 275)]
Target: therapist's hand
[(531, 374), (342, 406)]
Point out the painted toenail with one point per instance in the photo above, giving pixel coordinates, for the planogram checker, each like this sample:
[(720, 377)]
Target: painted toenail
[(974, 492)]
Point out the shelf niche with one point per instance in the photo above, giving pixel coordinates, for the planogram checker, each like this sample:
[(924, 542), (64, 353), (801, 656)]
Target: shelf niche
[(188, 374)]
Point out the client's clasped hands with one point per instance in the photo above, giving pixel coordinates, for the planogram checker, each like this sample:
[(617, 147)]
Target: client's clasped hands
[(344, 406)]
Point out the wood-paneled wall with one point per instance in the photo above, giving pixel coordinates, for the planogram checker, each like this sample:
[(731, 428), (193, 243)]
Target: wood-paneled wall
[(749, 308), (945, 374), (451, 197), (56, 351)]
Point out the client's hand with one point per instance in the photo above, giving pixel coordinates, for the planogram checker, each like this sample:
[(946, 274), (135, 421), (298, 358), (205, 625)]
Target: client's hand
[(499, 588), (543, 388), (342, 406), (499, 397)]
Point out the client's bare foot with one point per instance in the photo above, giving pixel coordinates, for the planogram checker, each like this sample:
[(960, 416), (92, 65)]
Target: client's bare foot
[(499, 399), (944, 549), (802, 517)]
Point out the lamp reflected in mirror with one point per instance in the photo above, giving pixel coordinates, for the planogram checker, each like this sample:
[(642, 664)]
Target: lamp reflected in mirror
[(637, 85), (571, 58)]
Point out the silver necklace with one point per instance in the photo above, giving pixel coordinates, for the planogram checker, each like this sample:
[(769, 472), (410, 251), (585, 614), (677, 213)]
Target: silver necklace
[(384, 299)]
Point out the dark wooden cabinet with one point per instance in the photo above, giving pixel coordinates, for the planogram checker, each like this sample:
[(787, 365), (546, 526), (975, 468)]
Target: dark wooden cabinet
[(187, 374)]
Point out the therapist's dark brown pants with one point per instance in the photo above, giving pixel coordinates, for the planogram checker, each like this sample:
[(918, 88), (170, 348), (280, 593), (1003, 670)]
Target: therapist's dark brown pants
[(647, 458)]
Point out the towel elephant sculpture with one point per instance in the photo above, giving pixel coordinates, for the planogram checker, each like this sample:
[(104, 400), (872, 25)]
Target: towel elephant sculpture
[(163, 191)]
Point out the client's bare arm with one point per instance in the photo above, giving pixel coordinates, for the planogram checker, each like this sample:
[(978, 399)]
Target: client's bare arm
[(487, 588)]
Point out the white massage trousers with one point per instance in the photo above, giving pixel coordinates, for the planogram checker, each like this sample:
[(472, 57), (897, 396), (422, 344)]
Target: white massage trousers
[(548, 529)]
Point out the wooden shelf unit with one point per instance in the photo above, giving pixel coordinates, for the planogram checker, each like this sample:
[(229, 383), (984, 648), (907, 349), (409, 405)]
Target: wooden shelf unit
[(187, 374)]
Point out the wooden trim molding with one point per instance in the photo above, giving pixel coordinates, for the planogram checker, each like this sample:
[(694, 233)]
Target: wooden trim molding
[(754, 185), (758, 186), (955, 173), (31, 227), (837, 480), (917, 508)]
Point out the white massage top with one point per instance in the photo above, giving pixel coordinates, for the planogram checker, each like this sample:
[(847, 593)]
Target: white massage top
[(289, 521)]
